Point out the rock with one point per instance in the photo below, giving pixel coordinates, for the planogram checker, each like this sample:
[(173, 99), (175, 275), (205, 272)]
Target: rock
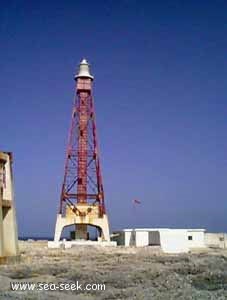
[(5, 283)]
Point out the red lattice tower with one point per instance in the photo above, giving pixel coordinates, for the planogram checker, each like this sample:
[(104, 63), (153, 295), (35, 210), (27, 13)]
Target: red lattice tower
[(82, 179)]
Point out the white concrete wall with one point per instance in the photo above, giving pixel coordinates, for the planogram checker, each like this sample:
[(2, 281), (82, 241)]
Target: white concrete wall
[(198, 239), (142, 238), (216, 240), (174, 241), (127, 238)]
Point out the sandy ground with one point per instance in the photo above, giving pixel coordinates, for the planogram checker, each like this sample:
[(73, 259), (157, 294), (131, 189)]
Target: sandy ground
[(128, 273)]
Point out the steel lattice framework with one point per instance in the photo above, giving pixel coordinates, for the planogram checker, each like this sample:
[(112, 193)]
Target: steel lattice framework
[(82, 177)]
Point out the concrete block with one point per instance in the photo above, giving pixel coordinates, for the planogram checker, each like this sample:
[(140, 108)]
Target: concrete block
[(8, 225)]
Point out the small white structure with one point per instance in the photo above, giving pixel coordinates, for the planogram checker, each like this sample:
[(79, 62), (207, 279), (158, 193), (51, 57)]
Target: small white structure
[(170, 240), (216, 240)]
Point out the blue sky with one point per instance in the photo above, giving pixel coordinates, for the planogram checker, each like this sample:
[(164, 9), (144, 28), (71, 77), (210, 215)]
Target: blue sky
[(160, 72)]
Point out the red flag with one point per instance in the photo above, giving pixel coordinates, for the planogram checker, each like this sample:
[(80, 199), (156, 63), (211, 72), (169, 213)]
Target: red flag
[(135, 201)]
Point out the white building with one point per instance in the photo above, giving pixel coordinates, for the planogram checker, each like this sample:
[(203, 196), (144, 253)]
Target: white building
[(170, 240)]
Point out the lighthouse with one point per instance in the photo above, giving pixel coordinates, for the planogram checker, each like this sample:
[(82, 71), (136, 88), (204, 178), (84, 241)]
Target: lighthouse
[(82, 194)]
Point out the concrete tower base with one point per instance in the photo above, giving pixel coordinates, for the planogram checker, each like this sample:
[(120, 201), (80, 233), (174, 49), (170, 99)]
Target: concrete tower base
[(8, 227), (84, 214)]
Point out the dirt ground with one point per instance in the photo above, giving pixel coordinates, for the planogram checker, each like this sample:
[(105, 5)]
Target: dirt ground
[(128, 273)]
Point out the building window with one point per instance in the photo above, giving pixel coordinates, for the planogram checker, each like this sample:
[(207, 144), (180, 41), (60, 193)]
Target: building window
[(190, 237)]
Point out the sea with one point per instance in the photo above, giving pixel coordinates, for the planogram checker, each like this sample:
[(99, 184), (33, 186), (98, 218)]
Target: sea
[(35, 238)]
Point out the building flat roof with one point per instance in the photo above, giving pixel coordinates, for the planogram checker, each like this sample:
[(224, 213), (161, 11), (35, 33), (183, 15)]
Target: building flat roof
[(163, 229)]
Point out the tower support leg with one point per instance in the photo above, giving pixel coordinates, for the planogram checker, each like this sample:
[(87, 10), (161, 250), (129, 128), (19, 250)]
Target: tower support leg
[(103, 224), (81, 232), (60, 224)]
